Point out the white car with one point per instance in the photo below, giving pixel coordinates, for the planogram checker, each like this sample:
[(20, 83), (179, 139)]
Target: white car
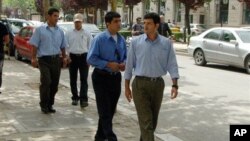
[(196, 29), (230, 46)]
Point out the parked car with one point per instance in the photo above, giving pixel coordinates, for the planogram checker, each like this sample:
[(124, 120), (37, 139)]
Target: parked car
[(224, 45), (92, 28), (21, 43), (13, 30), (196, 29), (173, 27), (20, 23)]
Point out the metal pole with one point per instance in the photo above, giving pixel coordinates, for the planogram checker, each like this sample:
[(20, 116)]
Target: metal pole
[(221, 20), (159, 7)]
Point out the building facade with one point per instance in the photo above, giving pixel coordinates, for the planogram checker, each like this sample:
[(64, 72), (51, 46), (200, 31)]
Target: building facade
[(216, 13)]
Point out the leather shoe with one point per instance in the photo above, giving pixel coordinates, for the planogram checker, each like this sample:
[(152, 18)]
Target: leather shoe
[(84, 104), (45, 110), (75, 102), (51, 110)]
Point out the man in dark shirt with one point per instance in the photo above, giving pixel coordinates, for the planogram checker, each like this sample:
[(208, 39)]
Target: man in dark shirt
[(164, 28), (137, 28), (4, 38)]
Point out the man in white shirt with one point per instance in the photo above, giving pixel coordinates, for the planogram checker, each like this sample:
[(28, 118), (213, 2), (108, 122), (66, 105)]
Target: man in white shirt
[(78, 45)]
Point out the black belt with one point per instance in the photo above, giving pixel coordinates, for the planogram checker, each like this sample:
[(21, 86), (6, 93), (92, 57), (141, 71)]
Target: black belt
[(104, 72), (149, 78), (77, 55), (50, 56)]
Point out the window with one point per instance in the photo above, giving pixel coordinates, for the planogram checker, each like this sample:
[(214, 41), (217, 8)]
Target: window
[(202, 19), (24, 32), (215, 34), (222, 14), (246, 14), (227, 36)]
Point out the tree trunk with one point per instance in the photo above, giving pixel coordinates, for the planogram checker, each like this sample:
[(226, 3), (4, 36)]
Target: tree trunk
[(45, 10), (1, 7), (131, 14), (113, 5), (187, 23)]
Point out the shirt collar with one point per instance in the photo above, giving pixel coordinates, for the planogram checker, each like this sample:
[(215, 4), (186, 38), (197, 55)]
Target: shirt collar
[(108, 35), (145, 37), (47, 26), (78, 30)]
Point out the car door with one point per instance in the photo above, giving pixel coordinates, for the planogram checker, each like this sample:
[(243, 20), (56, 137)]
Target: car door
[(22, 41), (19, 41), (229, 51), (211, 44)]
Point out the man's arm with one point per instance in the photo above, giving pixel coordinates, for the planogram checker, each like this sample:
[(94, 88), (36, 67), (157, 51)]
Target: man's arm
[(34, 55), (169, 30), (6, 39)]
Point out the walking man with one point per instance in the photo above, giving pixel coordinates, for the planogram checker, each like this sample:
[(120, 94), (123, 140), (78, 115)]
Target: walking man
[(78, 45), (107, 54), (164, 29), (4, 39), (150, 57), (48, 43), (137, 28)]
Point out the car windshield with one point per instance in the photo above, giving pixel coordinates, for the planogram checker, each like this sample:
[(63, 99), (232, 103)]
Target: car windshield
[(244, 35), (90, 27), (201, 26), (67, 27)]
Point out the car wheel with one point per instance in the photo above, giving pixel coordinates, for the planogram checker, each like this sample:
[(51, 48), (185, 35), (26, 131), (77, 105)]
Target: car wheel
[(17, 55), (199, 58), (247, 64)]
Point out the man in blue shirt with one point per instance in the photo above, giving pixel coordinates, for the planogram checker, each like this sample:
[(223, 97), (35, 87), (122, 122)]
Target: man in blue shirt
[(150, 57), (48, 43), (107, 54)]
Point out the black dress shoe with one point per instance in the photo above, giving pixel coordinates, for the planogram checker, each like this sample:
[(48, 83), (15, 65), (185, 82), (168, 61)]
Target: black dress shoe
[(84, 104), (51, 110), (45, 110), (75, 102)]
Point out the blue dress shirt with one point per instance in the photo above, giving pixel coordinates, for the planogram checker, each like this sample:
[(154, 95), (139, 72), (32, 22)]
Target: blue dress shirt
[(48, 41), (151, 58), (105, 49)]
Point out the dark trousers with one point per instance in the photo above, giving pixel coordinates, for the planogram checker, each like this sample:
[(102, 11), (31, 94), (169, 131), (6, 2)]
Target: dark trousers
[(147, 95), (107, 89), (1, 71), (78, 62), (50, 69)]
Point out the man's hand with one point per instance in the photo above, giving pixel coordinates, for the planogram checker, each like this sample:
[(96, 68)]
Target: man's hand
[(65, 62), (122, 67), (174, 93), (128, 94), (115, 67), (34, 62), (69, 60)]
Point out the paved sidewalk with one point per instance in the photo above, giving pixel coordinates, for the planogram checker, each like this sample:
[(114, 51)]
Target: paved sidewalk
[(22, 120), (181, 48)]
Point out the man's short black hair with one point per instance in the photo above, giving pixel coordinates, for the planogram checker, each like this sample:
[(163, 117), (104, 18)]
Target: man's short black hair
[(155, 17), (110, 15), (138, 18), (52, 10)]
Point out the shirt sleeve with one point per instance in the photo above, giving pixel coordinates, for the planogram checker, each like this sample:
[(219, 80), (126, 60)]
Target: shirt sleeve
[(172, 66), (35, 38), (93, 57), (90, 39), (64, 42), (130, 62)]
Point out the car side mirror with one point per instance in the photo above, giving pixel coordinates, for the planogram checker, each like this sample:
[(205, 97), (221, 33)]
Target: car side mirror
[(234, 42)]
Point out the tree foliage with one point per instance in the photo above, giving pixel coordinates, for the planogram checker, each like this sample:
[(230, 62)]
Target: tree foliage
[(245, 1), (191, 4)]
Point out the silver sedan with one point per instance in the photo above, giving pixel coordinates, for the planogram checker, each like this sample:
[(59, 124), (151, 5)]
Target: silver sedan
[(229, 46)]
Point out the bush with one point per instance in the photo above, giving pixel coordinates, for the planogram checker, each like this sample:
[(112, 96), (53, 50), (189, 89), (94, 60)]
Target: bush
[(125, 33), (178, 36)]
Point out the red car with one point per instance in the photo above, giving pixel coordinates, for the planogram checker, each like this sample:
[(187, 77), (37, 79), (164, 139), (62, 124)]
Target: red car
[(21, 43)]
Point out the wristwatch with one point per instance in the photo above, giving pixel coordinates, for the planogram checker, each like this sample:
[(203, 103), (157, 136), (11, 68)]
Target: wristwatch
[(175, 86)]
